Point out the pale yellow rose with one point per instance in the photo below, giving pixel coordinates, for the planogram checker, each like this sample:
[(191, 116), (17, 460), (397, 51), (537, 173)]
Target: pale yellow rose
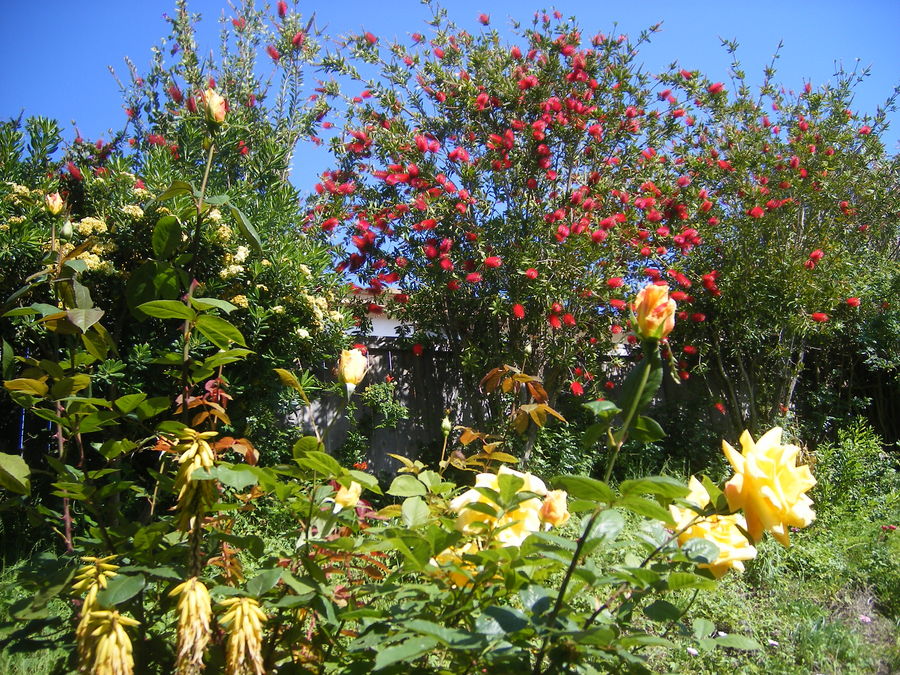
[(347, 497), (54, 203), (723, 531), (512, 527), (554, 510), (352, 368), (453, 566), (769, 486), (655, 312)]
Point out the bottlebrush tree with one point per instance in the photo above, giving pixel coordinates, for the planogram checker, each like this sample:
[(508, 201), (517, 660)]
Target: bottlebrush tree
[(510, 196)]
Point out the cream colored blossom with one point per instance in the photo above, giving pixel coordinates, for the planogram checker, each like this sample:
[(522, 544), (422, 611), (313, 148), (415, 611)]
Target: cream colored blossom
[(215, 215), (231, 271), (721, 530), (302, 333), (240, 301), (510, 528), (224, 232), (90, 225), (241, 254), (769, 486), (304, 270), (133, 211)]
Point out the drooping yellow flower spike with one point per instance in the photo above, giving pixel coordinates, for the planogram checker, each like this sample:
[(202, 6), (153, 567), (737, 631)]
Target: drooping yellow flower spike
[(194, 497), (769, 486), (107, 649), (721, 530), (243, 620), (654, 312), (194, 612)]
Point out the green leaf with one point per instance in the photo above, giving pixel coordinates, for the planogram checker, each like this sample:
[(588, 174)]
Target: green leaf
[(263, 582), (700, 550), (415, 512), (288, 379), (678, 580), (178, 187), (306, 444), (509, 485), (113, 448), (703, 628), (249, 232), (582, 487), (208, 303), (662, 610), (15, 475), (738, 642), (152, 407), (152, 281), (238, 477), (645, 507), (7, 360), (27, 385), (405, 485), (225, 356), (216, 200), (607, 525), (168, 309), (664, 486), (367, 480), (645, 430), (408, 650), (321, 463), (219, 331), (129, 402), (121, 588), (69, 385), (166, 236), (605, 410)]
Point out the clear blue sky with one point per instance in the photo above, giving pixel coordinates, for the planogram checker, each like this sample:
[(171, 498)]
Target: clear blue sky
[(56, 53)]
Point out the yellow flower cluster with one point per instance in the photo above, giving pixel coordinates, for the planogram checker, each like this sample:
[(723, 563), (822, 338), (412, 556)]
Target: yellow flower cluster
[(243, 620), (90, 225), (719, 529), (240, 301), (194, 497), (133, 211), (194, 612)]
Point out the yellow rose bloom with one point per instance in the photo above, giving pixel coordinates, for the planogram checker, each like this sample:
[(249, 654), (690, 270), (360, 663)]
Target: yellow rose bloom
[(655, 312), (347, 497), (721, 530), (769, 486), (453, 566), (54, 203), (512, 527), (352, 368), (214, 106)]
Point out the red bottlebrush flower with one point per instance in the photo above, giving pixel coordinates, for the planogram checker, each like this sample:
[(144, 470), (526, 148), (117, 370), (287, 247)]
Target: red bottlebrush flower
[(615, 282), (615, 329), (720, 407), (576, 388), (518, 311), (819, 317), (618, 304), (810, 264), (716, 88), (683, 181), (473, 277), (690, 350), (370, 38), (239, 23), (242, 148), (554, 322), (484, 19), (697, 317), (684, 375), (853, 302), (865, 130), (531, 273), (556, 308), (273, 53), (679, 296), (568, 319), (516, 53), (361, 347), (686, 74), (418, 349), (175, 94), (609, 385), (282, 8), (453, 285), (756, 212), (817, 255), (298, 39), (493, 261)]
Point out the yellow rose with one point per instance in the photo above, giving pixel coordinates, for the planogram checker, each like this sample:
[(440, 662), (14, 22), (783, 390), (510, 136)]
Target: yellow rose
[(352, 368), (347, 497), (554, 510), (655, 312), (214, 105), (510, 529), (721, 530), (454, 566), (768, 486), (54, 203)]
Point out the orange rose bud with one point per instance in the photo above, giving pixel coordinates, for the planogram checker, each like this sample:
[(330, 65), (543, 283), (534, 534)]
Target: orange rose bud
[(554, 509), (655, 312), (215, 107)]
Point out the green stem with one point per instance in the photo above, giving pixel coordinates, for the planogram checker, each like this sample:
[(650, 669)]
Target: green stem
[(195, 244), (646, 366)]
